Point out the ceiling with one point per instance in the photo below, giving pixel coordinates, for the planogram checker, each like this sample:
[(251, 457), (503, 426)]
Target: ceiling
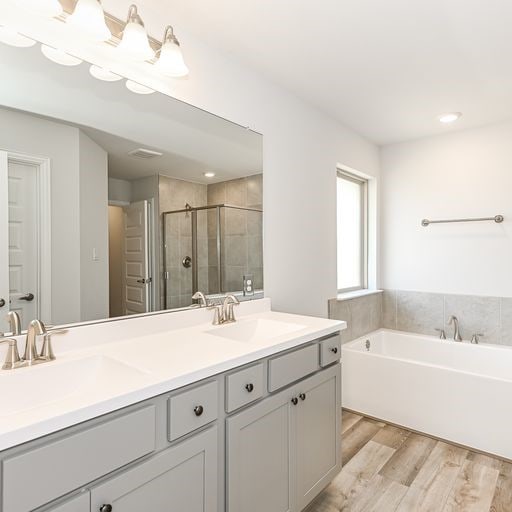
[(386, 69)]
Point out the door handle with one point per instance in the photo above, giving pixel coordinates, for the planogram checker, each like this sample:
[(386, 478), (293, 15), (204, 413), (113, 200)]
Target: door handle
[(29, 297), (145, 281), (2, 303)]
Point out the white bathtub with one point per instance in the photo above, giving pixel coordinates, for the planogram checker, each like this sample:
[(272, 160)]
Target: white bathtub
[(456, 391)]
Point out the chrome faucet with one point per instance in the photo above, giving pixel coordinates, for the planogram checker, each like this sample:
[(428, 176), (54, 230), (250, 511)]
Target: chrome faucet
[(228, 312), (35, 328), (456, 333), (14, 323), (224, 313)]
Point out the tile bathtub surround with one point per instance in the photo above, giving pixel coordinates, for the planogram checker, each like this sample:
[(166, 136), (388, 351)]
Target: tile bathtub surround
[(363, 314), (423, 312)]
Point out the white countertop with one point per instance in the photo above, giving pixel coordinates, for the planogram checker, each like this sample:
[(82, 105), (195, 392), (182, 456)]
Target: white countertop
[(131, 369)]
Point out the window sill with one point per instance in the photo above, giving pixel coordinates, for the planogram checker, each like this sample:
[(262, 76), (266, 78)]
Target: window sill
[(357, 293)]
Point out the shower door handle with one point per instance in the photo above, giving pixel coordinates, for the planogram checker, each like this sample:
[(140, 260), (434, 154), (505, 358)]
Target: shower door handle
[(145, 281)]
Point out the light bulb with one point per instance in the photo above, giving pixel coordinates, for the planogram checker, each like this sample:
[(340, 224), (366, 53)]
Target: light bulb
[(450, 117), (13, 38), (135, 43), (209, 174), (138, 88), (171, 63), (104, 74), (49, 8), (60, 56), (89, 19)]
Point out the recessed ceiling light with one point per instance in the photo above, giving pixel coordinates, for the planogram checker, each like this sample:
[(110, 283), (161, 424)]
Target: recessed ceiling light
[(60, 56), (209, 174), (450, 117), (138, 88)]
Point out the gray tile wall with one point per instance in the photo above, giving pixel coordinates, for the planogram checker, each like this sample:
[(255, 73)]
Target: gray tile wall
[(423, 313)]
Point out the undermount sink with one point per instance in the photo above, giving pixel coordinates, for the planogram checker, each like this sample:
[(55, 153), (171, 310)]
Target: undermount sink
[(27, 388), (259, 329)]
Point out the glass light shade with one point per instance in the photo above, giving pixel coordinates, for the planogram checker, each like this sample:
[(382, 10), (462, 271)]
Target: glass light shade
[(104, 74), (14, 38), (135, 44), (59, 56), (89, 19), (49, 8), (171, 63), (138, 88)]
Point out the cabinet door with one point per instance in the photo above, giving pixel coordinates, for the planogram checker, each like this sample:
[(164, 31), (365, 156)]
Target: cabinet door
[(258, 457), (317, 433), (183, 477)]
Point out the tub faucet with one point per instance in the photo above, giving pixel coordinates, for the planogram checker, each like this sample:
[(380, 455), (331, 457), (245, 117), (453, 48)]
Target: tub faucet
[(456, 333)]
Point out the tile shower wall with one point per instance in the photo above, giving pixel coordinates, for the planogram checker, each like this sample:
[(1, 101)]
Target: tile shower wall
[(242, 241), (423, 313), (174, 195)]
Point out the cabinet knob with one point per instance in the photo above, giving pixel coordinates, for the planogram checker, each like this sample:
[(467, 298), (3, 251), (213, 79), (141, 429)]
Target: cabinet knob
[(250, 388), (302, 396), (106, 508), (334, 350), (295, 400), (198, 411)]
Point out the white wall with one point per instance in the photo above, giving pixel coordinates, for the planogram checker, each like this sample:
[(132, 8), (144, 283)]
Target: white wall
[(462, 174), (94, 282)]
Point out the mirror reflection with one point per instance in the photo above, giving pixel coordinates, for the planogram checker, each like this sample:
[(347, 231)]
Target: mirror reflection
[(115, 204)]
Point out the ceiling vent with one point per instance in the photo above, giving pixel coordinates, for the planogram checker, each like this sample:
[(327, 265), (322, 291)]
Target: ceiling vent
[(144, 153)]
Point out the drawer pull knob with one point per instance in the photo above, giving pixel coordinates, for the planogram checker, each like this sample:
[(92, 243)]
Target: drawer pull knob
[(106, 508), (302, 396), (295, 400), (334, 350), (198, 410), (250, 388)]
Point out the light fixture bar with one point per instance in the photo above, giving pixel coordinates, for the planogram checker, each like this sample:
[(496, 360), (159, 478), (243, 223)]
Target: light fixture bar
[(115, 25)]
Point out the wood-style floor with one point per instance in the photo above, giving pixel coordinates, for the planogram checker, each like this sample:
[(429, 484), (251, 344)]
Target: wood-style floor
[(388, 469)]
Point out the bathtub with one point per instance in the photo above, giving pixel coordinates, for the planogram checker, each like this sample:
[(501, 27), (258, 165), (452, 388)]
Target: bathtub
[(455, 391)]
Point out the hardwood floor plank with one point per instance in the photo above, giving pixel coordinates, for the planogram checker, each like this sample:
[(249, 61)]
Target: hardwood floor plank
[(391, 436), (348, 420), (484, 460), (408, 460), (474, 489), (356, 437), (502, 500), (506, 468), (380, 494), (430, 489)]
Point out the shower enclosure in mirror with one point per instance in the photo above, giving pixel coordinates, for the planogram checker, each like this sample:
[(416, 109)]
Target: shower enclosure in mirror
[(113, 203)]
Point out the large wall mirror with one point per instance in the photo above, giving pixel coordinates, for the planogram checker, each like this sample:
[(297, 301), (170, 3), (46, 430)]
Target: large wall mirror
[(114, 203)]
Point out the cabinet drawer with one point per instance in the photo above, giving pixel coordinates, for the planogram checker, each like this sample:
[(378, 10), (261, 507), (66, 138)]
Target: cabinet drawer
[(192, 409), (284, 370), (66, 464), (330, 350), (244, 386)]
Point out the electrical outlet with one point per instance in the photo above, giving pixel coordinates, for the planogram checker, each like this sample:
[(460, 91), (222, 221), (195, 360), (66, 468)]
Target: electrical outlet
[(248, 284)]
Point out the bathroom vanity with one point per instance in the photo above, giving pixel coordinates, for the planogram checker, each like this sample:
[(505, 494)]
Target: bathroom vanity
[(243, 417)]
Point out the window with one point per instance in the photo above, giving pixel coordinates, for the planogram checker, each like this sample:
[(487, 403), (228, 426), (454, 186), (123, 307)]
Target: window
[(352, 222)]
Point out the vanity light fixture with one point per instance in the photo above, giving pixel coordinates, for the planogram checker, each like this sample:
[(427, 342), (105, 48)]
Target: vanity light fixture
[(138, 88), (104, 74), (14, 38), (134, 44), (48, 8), (89, 19), (209, 174), (450, 117), (170, 62), (60, 56)]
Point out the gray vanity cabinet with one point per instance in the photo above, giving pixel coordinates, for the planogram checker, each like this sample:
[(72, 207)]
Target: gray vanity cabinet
[(258, 457), (80, 503), (181, 478), (284, 450), (317, 443)]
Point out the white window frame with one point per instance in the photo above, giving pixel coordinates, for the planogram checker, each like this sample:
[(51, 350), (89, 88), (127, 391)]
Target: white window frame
[(343, 174)]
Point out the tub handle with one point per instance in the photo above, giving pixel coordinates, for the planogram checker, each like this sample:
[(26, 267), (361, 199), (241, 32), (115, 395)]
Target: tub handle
[(442, 334), (475, 338)]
